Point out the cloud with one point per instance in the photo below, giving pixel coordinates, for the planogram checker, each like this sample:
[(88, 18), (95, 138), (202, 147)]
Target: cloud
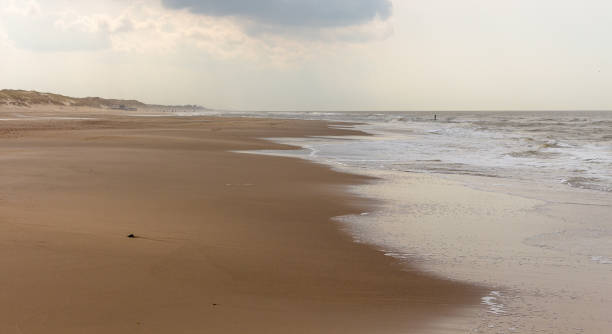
[(31, 28), (148, 28), (292, 13), (45, 35), (143, 27)]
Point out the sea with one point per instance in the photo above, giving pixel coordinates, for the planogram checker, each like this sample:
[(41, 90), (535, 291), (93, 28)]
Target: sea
[(572, 148), (544, 244)]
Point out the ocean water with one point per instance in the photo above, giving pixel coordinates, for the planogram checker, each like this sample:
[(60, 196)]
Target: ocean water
[(520, 202), (569, 148), (542, 241)]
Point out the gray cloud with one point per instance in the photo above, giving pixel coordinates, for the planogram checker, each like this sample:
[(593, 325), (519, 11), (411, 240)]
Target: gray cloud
[(296, 13)]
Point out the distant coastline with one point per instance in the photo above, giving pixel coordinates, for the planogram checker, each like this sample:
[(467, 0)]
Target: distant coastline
[(26, 98)]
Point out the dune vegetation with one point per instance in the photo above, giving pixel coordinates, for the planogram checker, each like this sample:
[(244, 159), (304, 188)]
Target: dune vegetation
[(29, 98)]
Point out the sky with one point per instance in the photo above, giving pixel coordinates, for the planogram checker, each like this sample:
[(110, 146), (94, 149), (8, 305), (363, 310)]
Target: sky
[(315, 54)]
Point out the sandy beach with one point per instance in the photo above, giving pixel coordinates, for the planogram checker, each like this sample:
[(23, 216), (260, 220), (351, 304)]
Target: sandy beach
[(299, 166), (226, 242)]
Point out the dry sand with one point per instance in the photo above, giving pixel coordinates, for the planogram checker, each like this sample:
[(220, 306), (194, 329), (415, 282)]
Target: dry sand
[(228, 243)]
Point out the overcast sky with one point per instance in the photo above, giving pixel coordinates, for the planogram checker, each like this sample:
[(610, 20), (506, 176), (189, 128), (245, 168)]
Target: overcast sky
[(315, 54)]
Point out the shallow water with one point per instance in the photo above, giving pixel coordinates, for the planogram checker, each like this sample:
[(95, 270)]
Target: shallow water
[(570, 148), (542, 241)]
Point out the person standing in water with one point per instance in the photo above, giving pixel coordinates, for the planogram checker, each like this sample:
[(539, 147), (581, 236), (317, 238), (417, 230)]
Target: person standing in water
[(435, 117)]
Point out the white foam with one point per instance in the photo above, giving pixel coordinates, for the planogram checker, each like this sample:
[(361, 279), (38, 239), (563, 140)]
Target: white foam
[(541, 148), (601, 259), (493, 304)]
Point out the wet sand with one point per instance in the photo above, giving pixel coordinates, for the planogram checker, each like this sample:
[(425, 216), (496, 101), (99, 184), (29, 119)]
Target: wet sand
[(226, 242), (543, 250)]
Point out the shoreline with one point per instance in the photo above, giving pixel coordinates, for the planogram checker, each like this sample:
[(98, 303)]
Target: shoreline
[(532, 244), (218, 249)]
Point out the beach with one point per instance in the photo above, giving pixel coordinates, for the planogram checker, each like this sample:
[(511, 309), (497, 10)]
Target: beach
[(299, 166), (224, 242), (517, 202), (543, 253)]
